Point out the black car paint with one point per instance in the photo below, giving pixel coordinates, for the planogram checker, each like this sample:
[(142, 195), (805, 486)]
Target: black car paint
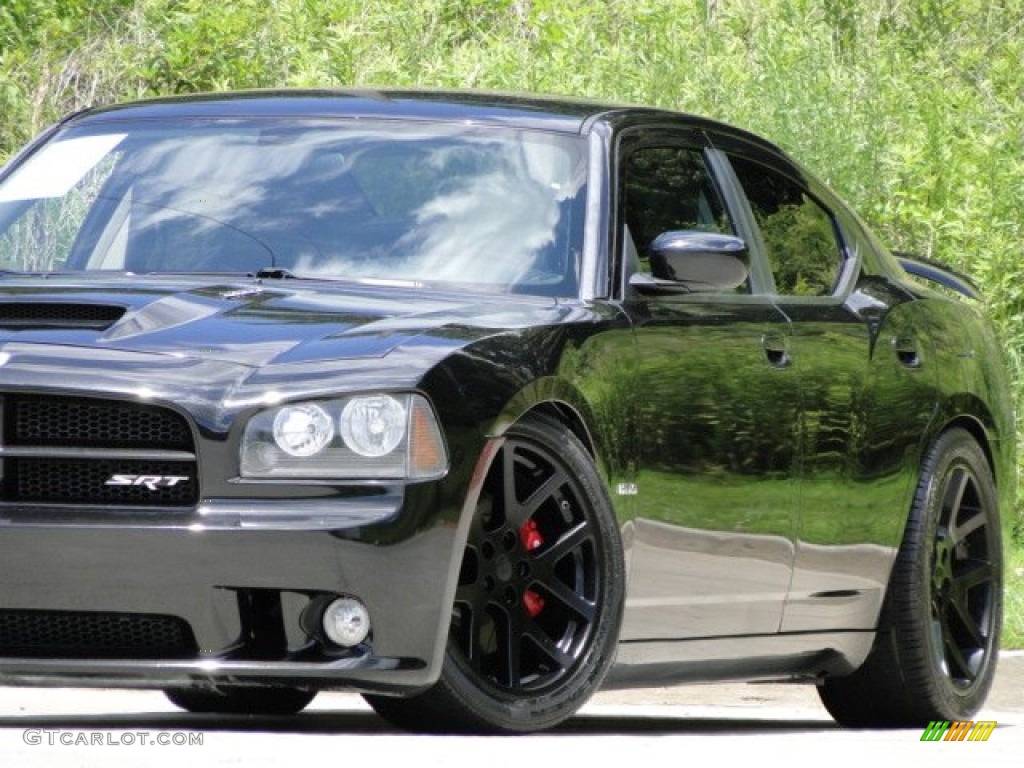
[(838, 398)]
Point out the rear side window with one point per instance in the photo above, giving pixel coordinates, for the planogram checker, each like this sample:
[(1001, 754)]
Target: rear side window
[(799, 234)]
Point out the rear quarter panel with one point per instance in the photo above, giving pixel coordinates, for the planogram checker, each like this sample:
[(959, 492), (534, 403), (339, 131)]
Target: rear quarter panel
[(974, 388)]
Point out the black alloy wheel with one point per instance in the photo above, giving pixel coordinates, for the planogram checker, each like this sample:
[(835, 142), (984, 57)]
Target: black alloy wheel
[(529, 583), (935, 654), (539, 598), (964, 582)]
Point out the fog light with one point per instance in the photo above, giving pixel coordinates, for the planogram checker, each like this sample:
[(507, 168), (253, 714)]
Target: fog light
[(346, 622)]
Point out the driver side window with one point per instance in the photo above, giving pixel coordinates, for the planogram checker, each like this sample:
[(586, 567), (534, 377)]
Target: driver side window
[(666, 188)]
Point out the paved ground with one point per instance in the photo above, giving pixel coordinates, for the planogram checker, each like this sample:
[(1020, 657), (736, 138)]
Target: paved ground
[(730, 724), (1007, 694)]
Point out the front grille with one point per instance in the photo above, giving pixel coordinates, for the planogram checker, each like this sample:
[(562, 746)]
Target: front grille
[(89, 451), (43, 314), (55, 481), (81, 634), (82, 421)]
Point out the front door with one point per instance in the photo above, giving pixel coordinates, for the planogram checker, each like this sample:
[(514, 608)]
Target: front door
[(711, 547)]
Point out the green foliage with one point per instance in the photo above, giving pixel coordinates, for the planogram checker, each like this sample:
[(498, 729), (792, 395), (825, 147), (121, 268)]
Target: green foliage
[(1013, 625), (26, 24), (36, 36)]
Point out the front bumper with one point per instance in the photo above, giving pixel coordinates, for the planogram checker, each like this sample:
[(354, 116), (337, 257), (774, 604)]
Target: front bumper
[(245, 577)]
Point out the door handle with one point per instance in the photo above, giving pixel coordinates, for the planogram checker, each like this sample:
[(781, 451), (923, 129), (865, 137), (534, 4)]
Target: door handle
[(906, 351), (776, 350)]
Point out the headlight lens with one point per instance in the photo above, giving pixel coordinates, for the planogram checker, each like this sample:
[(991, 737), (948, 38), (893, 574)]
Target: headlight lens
[(373, 426), (303, 430), (366, 437)]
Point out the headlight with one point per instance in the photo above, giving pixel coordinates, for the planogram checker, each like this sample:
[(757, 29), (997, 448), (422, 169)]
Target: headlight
[(373, 426), (367, 437), (302, 430)]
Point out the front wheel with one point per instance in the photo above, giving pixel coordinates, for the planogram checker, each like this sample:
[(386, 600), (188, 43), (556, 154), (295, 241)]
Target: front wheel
[(934, 657), (539, 600)]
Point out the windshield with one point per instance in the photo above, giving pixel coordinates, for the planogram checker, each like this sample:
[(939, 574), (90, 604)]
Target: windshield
[(484, 208)]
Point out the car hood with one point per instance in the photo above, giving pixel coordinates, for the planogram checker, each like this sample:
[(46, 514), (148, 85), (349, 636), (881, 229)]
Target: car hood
[(248, 322)]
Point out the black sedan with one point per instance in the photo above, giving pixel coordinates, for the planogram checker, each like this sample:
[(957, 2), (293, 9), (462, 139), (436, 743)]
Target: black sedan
[(476, 403)]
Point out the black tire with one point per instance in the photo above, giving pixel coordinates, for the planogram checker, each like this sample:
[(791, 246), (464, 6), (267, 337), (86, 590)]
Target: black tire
[(240, 700), (539, 602), (935, 654)]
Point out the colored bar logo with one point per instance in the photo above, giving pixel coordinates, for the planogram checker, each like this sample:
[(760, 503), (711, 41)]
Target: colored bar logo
[(968, 730)]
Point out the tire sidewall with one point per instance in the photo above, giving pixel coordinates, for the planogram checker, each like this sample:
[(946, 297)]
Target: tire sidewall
[(955, 448)]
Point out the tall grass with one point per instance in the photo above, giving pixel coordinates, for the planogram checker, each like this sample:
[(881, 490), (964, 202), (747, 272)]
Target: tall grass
[(1013, 608)]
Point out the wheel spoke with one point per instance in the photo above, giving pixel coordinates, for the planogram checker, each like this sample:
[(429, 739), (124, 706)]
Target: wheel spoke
[(969, 526), (975, 573), (472, 644), (937, 629), (542, 494), (955, 495), (955, 653), (547, 646), (508, 480), (977, 639), (569, 541), (570, 599), (510, 640)]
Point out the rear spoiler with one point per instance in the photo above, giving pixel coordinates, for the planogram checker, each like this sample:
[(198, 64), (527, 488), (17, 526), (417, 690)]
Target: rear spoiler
[(937, 272)]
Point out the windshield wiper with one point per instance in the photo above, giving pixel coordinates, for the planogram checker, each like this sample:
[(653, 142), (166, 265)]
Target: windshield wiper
[(274, 273)]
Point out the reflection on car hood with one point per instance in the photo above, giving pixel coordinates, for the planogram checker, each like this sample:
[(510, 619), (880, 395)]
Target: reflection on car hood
[(247, 322)]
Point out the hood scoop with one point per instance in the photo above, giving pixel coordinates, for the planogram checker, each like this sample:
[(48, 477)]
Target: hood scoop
[(49, 314)]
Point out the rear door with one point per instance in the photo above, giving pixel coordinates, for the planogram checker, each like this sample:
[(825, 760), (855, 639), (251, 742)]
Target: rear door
[(865, 390)]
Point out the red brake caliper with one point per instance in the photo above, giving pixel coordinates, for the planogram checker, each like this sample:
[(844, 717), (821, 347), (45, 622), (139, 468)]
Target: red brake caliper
[(530, 535), (531, 538), (533, 603)]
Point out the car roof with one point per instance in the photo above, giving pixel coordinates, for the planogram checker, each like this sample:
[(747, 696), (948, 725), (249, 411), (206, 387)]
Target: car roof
[(549, 113), (544, 112)]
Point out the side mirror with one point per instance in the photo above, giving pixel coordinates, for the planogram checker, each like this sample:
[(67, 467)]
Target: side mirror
[(688, 260)]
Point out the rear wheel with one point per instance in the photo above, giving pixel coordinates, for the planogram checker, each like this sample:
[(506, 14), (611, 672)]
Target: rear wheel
[(232, 700), (539, 600), (935, 656)]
